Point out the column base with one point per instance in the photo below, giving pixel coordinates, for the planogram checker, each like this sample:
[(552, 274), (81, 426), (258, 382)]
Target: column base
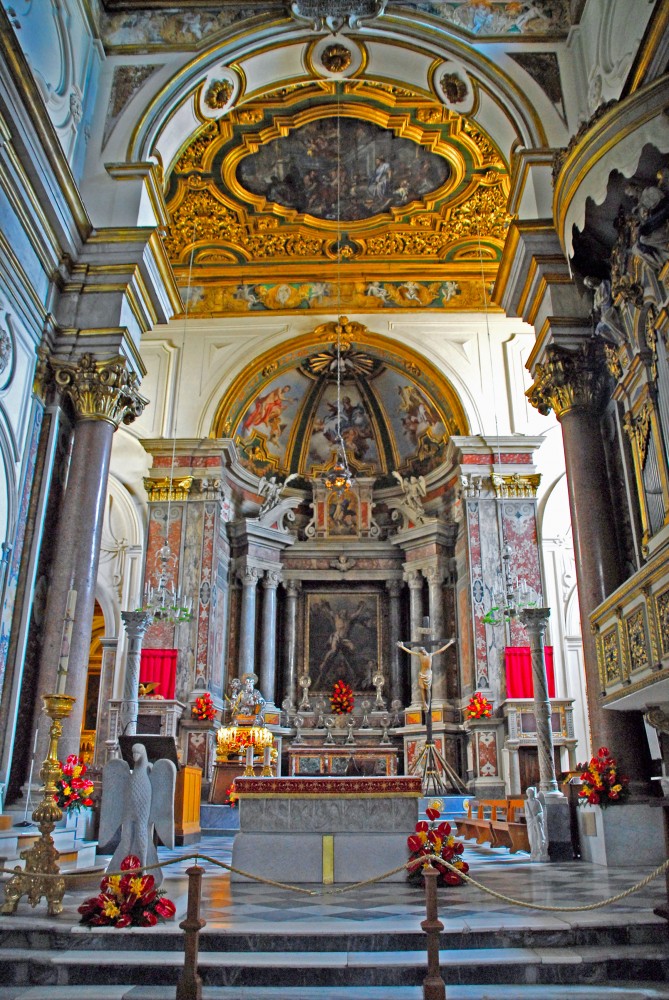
[(558, 828)]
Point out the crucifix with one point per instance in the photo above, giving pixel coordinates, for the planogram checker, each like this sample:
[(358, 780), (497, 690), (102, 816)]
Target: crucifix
[(437, 774)]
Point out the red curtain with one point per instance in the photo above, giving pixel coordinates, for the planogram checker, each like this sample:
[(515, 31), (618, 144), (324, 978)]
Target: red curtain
[(519, 672), (159, 665)]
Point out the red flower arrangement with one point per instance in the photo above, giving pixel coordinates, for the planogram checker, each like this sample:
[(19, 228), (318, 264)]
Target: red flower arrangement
[(602, 782), (203, 708), (432, 837), (341, 698), (231, 796), (479, 707), (74, 791), (129, 900)]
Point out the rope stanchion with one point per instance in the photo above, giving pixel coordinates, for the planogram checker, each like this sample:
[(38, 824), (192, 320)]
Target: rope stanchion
[(434, 987), (189, 986)]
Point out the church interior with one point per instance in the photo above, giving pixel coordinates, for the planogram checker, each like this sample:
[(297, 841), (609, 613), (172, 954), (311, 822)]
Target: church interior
[(334, 409)]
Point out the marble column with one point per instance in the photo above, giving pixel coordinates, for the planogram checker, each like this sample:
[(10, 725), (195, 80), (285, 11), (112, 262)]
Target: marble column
[(415, 582), (102, 393), (136, 623), (434, 577), (394, 588), (267, 671), (247, 625), (290, 650), (535, 621), (575, 384)]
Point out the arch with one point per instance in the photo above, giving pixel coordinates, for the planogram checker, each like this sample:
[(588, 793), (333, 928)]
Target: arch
[(397, 408)]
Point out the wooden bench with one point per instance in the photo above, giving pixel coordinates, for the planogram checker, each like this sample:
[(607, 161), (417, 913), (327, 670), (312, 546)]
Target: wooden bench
[(498, 822)]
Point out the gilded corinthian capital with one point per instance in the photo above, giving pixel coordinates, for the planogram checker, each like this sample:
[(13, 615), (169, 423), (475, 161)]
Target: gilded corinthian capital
[(571, 379), (100, 390)]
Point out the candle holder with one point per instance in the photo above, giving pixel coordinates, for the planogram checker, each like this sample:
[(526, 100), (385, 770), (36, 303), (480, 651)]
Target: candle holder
[(39, 876)]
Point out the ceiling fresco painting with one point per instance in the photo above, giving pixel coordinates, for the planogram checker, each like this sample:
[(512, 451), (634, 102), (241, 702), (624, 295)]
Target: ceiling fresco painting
[(255, 193), (393, 410), (342, 168)]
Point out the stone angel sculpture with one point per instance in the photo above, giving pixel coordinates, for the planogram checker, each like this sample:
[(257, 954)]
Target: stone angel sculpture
[(414, 489), (535, 815), (138, 802), (271, 490)]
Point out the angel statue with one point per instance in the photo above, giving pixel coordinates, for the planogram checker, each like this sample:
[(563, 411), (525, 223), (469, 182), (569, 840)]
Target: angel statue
[(535, 815), (138, 802), (271, 490), (414, 488)]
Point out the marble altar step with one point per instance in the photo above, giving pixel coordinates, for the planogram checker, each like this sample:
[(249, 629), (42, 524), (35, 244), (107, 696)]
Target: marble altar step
[(218, 821), (612, 991), (583, 957), (75, 853)]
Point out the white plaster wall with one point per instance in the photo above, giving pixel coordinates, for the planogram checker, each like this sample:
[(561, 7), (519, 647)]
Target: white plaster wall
[(59, 40)]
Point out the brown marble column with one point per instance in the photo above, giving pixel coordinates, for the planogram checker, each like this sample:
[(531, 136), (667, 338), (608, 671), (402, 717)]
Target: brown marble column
[(102, 393), (575, 384)]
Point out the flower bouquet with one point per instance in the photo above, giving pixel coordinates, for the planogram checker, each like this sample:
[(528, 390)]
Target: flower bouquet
[(129, 900), (341, 698), (73, 790), (231, 796), (203, 708), (602, 781), (479, 707), (432, 837)]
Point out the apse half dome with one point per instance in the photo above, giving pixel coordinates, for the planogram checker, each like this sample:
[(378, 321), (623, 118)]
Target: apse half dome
[(342, 168), (393, 410)]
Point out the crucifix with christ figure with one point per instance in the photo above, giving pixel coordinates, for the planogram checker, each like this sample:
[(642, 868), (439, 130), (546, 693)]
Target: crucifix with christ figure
[(435, 769)]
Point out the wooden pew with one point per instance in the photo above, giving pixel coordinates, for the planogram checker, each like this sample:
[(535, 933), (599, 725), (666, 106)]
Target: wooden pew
[(498, 822)]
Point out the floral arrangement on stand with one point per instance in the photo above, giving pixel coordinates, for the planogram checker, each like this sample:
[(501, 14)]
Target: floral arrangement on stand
[(74, 790), (342, 698), (433, 837), (602, 782), (231, 796), (129, 900), (203, 708), (478, 707)]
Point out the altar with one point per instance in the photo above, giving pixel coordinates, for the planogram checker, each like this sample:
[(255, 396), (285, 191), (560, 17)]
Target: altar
[(325, 829)]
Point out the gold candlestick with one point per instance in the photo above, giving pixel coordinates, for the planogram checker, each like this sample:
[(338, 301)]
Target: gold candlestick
[(39, 877)]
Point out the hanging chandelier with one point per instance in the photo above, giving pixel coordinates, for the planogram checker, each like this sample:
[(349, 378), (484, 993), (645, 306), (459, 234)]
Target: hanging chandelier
[(163, 601), (512, 597)]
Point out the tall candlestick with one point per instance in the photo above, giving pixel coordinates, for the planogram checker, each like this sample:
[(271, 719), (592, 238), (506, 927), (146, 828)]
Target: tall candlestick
[(68, 623)]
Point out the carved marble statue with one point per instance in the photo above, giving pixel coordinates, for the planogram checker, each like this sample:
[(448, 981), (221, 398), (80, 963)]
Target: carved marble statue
[(608, 324), (138, 802), (425, 668), (651, 216), (271, 490), (535, 815)]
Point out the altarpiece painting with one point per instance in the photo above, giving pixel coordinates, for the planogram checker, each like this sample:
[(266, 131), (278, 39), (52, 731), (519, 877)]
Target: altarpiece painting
[(343, 639)]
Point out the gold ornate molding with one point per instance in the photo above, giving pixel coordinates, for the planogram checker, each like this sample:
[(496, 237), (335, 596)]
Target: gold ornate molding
[(638, 429), (164, 489), (515, 486), (570, 379), (100, 390)]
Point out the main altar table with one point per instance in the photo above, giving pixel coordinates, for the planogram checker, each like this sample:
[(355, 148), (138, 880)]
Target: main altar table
[(324, 829)]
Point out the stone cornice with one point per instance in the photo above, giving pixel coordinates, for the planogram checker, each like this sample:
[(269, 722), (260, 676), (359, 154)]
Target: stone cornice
[(571, 379)]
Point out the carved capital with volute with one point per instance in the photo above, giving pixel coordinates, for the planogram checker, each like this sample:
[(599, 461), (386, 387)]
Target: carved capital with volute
[(571, 379), (100, 390)]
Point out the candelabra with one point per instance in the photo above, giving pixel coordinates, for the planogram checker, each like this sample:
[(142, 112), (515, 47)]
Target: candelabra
[(41, 874), (163, 601), (514, 596)]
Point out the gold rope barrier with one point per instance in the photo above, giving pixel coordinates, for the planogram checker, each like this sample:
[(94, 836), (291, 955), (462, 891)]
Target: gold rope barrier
[(409, 865)]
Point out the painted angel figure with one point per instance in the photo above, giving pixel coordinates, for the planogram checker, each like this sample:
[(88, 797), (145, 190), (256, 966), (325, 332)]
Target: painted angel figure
[(138, 802), (271, 490)]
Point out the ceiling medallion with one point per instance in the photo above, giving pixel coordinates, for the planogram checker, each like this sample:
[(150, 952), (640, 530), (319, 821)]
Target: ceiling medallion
[(336, 58), (335, 14), (454, 88), (218, 94)]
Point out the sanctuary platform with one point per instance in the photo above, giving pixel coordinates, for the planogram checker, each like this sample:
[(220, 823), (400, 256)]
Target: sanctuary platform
[(324, 829)]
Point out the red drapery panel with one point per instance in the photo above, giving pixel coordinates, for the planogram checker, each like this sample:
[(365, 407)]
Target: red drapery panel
[(159, 665), (519, 672)]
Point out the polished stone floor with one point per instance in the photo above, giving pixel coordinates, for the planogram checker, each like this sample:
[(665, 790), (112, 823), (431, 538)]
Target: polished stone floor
[(232, 908)]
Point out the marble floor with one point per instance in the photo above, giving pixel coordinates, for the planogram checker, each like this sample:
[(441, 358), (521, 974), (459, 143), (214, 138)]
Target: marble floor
[(232, 908)]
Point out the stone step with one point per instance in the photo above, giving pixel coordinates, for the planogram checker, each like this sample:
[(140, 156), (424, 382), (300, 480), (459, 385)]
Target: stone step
[(492, 991), (522, 966)]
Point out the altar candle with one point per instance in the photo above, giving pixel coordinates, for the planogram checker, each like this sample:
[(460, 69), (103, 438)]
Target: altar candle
[(267, 757), (68, 623)]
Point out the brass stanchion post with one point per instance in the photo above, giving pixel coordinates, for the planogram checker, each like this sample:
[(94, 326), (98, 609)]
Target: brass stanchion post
[(190, 983), (42, 858), (434, 987)]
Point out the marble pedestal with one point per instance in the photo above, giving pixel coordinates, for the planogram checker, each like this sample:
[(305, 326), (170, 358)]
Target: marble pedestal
[(622, 835), (324, 829)]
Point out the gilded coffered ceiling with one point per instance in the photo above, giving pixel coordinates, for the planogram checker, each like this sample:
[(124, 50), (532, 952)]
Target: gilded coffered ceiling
[(310, 196)]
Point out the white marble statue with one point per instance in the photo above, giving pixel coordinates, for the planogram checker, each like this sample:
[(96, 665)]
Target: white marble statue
[(138, 802), (535, 814), (271, 490)]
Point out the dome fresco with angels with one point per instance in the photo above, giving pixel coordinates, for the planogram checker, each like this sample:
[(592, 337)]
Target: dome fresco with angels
[(392, 410)]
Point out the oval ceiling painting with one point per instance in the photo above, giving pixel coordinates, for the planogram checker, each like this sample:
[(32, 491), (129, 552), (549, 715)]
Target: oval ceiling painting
[(378, 170)]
